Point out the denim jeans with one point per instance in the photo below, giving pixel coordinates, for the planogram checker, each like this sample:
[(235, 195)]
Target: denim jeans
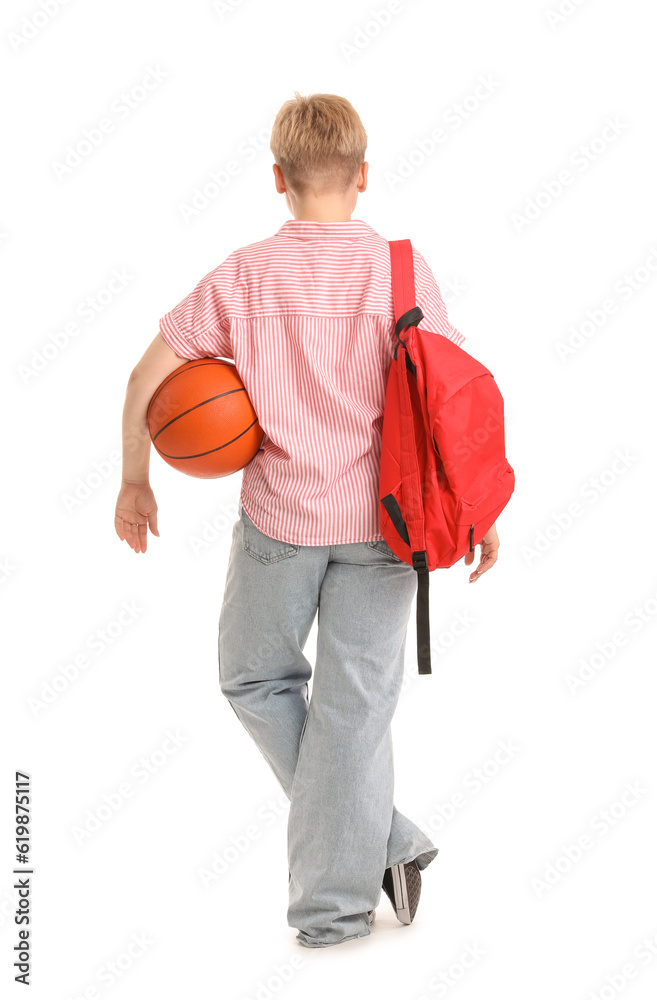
[(332, 753)]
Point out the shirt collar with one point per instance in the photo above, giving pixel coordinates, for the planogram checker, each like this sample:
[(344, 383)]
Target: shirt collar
[(305, 229)]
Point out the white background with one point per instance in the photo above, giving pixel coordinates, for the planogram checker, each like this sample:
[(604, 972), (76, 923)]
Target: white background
[(502, 883)]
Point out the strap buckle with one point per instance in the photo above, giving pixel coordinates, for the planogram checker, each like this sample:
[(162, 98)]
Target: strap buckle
[(420, 562)]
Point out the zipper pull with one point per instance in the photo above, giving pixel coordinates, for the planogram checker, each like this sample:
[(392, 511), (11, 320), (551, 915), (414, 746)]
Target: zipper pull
[(472, 527)]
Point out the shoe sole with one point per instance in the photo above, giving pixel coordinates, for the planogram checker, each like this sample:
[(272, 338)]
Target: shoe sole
[(404, 900)]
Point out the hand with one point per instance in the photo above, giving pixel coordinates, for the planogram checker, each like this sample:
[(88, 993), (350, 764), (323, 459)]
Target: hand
[(490, 543), (135, 511)]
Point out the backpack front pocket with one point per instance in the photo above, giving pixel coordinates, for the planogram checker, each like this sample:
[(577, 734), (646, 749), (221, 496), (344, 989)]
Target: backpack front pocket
[(491, 490)]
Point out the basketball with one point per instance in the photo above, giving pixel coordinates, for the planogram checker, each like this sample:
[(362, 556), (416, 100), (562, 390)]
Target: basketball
[(201, 420)]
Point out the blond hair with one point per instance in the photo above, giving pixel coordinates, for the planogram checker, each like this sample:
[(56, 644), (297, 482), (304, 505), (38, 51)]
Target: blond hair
[(319, 143)]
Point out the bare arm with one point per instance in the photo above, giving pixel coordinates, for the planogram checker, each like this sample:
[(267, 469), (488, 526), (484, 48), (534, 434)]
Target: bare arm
[(157, 362), (136, 508)]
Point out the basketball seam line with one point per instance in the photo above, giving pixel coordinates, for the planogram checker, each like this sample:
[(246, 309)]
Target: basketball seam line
[(202, 453), (195, 407)]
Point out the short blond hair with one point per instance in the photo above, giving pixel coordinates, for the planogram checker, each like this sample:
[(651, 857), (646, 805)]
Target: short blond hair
[(319, 143)]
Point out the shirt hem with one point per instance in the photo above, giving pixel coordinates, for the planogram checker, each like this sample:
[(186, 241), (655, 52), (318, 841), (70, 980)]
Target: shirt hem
[(315, 544)]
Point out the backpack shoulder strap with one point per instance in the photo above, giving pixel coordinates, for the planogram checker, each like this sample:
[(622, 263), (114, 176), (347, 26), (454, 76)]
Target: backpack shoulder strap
[(407, 313)]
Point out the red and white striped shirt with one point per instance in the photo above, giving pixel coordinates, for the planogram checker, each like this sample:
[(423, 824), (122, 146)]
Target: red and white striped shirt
[(307, 317)]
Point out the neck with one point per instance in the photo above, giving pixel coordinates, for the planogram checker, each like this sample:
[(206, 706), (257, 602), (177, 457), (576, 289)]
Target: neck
[(322, 215), (328, 208)]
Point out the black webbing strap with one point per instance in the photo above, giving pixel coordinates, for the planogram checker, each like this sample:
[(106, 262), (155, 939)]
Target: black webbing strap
[(410, 318), (422, 605), (422, 613), (395, 514)]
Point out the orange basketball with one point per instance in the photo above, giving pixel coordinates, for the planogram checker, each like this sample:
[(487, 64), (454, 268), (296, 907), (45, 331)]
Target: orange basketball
[(201, 420)]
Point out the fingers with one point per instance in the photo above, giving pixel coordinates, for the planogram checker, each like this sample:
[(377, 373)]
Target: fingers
[(135, 535), (487, 560), (142, 532), (132, 524), (132, 535)]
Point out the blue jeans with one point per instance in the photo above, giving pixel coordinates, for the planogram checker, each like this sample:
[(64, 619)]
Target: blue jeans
[(332, 754)]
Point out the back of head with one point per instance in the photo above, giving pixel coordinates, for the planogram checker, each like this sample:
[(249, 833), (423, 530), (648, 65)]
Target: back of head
[(319, 143)]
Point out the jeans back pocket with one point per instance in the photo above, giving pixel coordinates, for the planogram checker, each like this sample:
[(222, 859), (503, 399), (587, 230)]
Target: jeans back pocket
[(382, 546), (261, 547)]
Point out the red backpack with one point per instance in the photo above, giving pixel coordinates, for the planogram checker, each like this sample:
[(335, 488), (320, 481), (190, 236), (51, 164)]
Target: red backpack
[(444, 475)]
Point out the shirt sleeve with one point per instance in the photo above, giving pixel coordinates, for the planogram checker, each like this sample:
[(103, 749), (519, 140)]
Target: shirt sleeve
[(199, 326), (430, 301)]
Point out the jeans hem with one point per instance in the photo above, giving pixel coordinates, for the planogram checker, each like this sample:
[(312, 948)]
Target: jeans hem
[(313, 943), (423, 859)]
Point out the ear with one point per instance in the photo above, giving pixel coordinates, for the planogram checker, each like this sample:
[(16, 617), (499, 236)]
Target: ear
[(362, 177), (280, 180)]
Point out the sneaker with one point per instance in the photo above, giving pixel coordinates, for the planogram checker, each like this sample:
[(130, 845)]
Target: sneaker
[(402, 885)]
